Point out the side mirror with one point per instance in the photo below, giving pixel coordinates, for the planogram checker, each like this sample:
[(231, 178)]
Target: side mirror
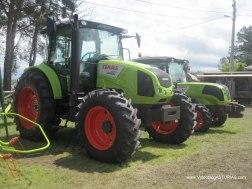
[(138, 39), (137, 36)]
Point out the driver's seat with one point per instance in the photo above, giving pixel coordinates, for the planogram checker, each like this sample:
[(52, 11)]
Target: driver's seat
[(88, 76)]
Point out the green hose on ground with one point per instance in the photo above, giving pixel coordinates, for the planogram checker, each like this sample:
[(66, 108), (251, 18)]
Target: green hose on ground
[(7, 147)]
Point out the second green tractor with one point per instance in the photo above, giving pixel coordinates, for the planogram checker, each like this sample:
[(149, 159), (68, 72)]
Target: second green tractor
[(212, 101)]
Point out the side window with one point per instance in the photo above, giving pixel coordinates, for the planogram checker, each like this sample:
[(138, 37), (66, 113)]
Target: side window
[(63, 50), (88, 48), (61, 61), (177, 73)]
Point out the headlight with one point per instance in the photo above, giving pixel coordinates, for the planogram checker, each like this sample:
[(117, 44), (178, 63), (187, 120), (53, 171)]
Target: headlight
[(163, 77)]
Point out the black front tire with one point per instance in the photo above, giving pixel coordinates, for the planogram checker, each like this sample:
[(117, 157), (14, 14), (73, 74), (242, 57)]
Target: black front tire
[(203, 119), (38, 82), (219, 120), (185, 123), (126, 121)]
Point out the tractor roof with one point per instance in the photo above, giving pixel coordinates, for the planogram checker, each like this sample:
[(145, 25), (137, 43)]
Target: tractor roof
[(62, 25), (159, 59)]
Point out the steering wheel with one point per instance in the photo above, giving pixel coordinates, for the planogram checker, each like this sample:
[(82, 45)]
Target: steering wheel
[(89, 54)]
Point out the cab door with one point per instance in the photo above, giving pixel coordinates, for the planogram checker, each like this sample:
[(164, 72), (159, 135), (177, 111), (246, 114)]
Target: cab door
[(61, 61)]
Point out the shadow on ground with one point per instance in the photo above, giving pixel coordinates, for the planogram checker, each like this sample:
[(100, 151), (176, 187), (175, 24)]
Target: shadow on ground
[(146, 142), (66, 152), (216, 130), (66, 141), (82, 163), (78, 160)]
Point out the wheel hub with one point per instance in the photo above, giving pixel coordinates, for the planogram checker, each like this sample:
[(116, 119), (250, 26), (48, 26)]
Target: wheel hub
[(200, 120), (27, 106), (107, 127), (100, 128), (164, 127)]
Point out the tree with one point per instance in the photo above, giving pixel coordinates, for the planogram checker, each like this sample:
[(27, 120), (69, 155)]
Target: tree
[(38, 11), (225, 65), (25, 18), (244, 45), (11, 13)]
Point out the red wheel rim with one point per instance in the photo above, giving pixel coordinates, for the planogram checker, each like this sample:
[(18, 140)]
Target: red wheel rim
[(27, 106), (165, 128), (199, 119), (100, 128)]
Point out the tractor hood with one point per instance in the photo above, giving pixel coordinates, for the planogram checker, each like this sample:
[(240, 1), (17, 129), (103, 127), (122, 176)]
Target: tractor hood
[(125, 63), (217, 94), (116, 67), (203, 84), (145, 83)]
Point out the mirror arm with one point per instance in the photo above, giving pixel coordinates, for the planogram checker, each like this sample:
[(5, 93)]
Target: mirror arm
[(128, 52)]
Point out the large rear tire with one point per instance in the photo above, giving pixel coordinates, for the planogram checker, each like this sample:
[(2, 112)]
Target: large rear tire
[(203, 119), (33, 99), (108, 126), (175, 132)]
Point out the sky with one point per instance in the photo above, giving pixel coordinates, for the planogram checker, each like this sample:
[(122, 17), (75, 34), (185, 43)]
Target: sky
[(196, 30)]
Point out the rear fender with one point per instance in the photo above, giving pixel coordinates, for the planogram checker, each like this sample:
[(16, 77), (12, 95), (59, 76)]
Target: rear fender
[(52, 78)]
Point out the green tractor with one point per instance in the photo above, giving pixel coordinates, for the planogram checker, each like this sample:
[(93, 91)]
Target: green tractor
[(213, 101), (85, 80)]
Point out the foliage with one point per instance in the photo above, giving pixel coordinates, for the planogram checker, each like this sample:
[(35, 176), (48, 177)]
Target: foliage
[(38, 11), (242, 52), (21, 21), (244, 45), (225, 65)]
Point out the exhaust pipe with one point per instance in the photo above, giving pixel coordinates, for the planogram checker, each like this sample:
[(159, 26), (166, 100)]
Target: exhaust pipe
[(75, 66)]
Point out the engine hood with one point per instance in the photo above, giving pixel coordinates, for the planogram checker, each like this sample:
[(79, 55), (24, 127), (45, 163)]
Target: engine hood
[(125, 63), (203, 84)]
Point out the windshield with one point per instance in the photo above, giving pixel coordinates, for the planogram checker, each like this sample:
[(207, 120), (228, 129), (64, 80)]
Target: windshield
[(174, 69), (177, 72), (95, 42)]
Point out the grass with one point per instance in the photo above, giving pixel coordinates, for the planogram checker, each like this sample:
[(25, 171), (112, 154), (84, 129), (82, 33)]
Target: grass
[(223, 151)]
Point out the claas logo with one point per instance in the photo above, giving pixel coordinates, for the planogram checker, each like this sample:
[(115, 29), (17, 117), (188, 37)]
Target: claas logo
[(110, 67)]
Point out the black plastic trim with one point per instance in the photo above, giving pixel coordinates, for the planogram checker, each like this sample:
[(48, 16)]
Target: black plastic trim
[(214, 91), (145, 85)]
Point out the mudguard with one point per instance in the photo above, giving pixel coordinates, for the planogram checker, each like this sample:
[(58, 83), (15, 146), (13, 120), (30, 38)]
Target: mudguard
[(52, 78)]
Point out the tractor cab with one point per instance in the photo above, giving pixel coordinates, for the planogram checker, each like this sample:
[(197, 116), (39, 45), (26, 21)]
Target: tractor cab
[(178, 69), (93, 42)]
